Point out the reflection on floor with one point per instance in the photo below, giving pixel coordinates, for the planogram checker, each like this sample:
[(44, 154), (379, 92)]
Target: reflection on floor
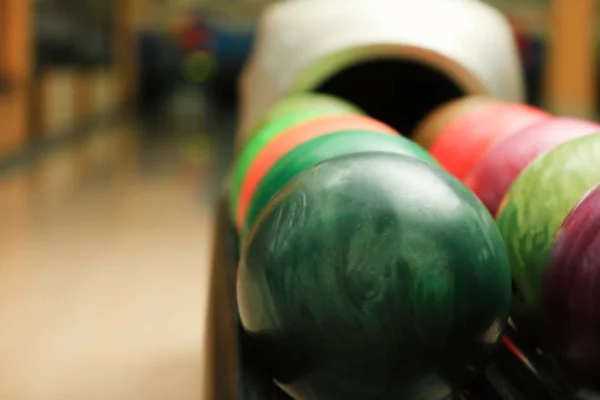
[(103, 270)]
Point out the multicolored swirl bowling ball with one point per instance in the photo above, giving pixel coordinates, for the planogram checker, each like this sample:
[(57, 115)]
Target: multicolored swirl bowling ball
[(372, 276), (532, 212)]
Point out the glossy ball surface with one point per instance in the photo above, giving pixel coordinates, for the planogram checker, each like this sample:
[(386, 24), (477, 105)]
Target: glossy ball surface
[(373, 276), (534, 208), (493, 174), (322, 149), (572, 289)]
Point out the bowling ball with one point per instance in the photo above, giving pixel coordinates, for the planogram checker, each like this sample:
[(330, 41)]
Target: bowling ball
[(532, 211), (291, 138), (447, 113), (496, 170), (321, 149), (571, 295), (373, 276), (301, 102), (267, 133), (462, 138)]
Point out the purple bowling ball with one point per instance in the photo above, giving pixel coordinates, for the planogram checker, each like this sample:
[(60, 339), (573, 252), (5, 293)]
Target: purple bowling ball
[(572, 289)]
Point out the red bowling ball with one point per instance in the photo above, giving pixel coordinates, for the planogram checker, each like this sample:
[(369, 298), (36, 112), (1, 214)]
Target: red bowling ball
[(572, 289), (463, 141), (496, 170)]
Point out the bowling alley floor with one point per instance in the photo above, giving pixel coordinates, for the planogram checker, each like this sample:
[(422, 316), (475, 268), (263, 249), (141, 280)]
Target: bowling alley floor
[(104, 265)]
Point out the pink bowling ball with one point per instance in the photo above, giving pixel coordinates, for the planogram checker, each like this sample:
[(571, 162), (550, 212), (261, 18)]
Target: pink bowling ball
[(496, 170)]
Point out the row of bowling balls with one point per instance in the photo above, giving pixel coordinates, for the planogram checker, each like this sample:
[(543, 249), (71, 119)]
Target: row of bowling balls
[(369, 270), (538, 175)]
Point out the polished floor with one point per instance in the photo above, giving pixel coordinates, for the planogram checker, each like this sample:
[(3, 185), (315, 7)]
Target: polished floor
[(104, 264)]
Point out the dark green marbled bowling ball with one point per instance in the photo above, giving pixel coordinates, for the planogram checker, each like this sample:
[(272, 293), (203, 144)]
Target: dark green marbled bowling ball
[(373, 276)]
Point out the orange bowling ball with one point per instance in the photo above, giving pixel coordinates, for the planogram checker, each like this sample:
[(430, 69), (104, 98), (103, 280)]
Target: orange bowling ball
[(458, 133), (288, 140)]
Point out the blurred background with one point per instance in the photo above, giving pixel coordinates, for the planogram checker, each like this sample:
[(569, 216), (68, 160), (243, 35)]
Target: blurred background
[(116, 125)]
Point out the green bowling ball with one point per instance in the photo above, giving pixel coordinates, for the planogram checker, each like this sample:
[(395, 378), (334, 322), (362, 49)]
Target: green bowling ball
[(321, 149), (299, 102), (533, 210), (286, 118), (373, 276)]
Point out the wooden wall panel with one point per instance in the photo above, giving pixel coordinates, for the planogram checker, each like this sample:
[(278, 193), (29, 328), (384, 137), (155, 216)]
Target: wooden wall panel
[(571, 73), (13, 121), (15, 54)]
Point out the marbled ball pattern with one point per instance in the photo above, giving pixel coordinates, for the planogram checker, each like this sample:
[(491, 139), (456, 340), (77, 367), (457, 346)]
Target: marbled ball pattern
[(373, 276)]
